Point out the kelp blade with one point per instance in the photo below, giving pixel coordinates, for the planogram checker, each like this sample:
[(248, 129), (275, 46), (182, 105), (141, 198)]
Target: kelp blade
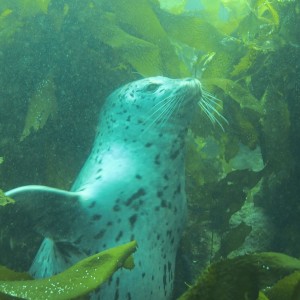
[(76, 281)]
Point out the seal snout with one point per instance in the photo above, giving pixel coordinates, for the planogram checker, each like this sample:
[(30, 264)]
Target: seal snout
[(194, 86)]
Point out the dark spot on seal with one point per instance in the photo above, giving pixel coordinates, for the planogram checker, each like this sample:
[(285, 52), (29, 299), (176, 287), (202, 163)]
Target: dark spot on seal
[(174, 154), (100, 234), (116, 207), (110, 281), (178, 189), (159, 194), (165, 277), (96, 217), (132, 220), (118, 237), (157, 159), (163, 203), (169, 233), (116, 294), (92, 204), (141, 192)]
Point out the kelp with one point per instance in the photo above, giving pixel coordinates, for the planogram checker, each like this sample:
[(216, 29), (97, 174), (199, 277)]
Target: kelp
[(237, 93), (42, 105), (4, 200), (246, 277), (147, 48), (286, 288), (78, 280), (142, 55), (191, 30)]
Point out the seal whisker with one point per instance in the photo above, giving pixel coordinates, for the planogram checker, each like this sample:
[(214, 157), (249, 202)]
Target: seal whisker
[(210, 96), (168, 112), (175, 105), (159, 113), (207, 104)]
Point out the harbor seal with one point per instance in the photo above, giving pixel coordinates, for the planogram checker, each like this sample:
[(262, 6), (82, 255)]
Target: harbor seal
[(132, 187)]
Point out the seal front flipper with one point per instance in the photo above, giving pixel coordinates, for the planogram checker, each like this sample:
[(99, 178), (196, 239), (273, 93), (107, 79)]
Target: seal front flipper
[(52, 212), (55, 214)]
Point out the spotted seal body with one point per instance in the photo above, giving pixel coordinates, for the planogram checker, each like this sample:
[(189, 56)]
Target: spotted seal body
[(132, 187)]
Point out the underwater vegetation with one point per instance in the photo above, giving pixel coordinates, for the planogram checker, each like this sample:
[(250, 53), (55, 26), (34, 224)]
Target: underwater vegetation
[(60, 59), (266, 275), (78, 280)]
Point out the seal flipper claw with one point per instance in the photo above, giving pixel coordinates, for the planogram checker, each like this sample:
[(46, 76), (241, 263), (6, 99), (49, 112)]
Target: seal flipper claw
[(53, 212)]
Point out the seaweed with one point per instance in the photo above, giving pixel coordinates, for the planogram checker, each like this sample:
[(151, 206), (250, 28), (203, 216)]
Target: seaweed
[(246, 277), (78, 280), (4, 200), (42, 105)]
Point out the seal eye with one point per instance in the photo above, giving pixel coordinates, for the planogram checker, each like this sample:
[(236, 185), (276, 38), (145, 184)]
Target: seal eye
[(152, 87)]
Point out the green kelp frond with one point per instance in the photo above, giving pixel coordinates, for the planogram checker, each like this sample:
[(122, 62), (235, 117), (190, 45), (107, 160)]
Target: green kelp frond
[(7, 274), (78, 280), (242, 277), (146, 48), (237, 93), (42, 105), (192, 31), (286, 288), (4, 200)]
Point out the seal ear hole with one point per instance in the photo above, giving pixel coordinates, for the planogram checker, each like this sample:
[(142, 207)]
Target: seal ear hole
[(152, 87)]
